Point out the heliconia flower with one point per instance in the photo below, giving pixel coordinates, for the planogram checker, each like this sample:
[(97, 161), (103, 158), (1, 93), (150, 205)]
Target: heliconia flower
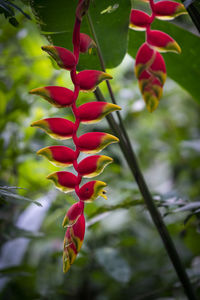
[(86, 43), (56, 95), (72, 215), (64, 181), (168, 10), (92, 190), (139, 20), (93, 112), (58, 155), (89, 79), (77, 232), (93, 165), (144, 58), (162, 42), (158, 68), (57, 128), (64, 58), (93, 142), (69, 251)]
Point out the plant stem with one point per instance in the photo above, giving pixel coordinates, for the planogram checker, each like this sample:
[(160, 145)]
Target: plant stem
[(131, 159)]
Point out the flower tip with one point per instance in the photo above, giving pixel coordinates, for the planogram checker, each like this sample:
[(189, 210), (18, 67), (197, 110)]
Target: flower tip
[(47, 48), (40, 152), (115, 139), (38, 91), (51, 176), (106, 76), (33, 91)]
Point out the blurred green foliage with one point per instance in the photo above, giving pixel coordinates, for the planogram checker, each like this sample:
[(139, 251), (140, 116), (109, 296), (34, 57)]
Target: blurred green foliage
[(122, 255)]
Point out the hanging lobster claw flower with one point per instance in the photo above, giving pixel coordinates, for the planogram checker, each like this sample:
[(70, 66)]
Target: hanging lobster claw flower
[(158, 68), (64, 58), (58, 155), (144, 58), (168, 10), (57, 128), (72, 215), (93, 165), (93, 112), (162, 42), (92, 190), (139, 20), (93, 142), (69, 251), (89, 79), (77, 232), (56, 95), (86, 43), (64, 181)]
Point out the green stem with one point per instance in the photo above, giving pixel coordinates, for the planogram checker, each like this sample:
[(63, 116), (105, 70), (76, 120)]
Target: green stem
[(131, 159)]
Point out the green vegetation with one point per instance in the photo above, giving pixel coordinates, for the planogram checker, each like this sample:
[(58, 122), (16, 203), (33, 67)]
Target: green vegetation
[(122, 255)]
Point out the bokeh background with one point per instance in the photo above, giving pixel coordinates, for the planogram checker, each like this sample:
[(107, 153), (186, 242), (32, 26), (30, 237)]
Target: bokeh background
[(122, 255)]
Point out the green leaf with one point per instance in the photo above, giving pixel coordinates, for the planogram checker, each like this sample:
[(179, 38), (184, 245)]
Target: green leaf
[(193, 8), (7, 194), (16, 232), (110, 19), (21, 270), (182, 68)]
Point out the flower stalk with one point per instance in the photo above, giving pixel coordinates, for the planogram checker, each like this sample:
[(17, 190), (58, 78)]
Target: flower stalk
[(150, 68)]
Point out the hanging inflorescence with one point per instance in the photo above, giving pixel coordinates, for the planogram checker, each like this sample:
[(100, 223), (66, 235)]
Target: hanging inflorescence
[(150, 68), (62, 129)]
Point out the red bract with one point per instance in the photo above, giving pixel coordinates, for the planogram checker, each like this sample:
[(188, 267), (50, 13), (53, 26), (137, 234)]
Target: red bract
[(93, 112), (58, 155), (61, 129), (139, 20), (158, 68), (89, 79), (69, 251), (92, 190), (144, 58), (72, 215), (64, 58), (56, 95), (93, 142), (64, 181), (162, 42), (168, 10), (93, 165), (86, 43), (57, 128), (77, 232), (151, 89)]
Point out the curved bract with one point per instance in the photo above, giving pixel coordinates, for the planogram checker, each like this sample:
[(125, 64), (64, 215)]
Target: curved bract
[(61, 129)]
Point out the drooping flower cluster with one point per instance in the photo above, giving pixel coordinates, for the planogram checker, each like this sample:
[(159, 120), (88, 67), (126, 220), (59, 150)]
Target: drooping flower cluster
[(150, 68), (62, 129)]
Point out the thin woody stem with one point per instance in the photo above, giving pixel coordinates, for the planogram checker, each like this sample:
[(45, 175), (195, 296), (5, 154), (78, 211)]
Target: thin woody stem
[(131, 159)]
